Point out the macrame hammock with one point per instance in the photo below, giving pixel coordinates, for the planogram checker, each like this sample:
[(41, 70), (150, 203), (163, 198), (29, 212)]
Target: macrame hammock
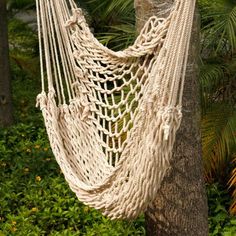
[(112, 117)]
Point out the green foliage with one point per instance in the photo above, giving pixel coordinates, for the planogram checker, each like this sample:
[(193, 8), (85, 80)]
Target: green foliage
[(218, 84), (25, 90), (220, 222), (20, 4), (218, 136), (114, 21), (218, 93), (23, 42), (111, 9), (24, 59), (35, 199), (219, 22)]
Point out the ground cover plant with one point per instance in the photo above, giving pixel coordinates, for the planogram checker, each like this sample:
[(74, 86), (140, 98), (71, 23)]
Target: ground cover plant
[(36, 200)]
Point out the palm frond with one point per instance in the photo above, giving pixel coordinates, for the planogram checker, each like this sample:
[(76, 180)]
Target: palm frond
[(231, 28), (211, 78), (218, 82), (220, 25), (218, 139), (232, 185), (114, 8), (118, 36), (113, 21)]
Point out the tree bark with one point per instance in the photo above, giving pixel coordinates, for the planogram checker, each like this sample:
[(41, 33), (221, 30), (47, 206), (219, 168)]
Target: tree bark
[(6, 109), (180, 208)]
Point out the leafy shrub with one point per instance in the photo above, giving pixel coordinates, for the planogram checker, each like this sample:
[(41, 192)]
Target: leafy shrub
[(220, 221), (35, 199)]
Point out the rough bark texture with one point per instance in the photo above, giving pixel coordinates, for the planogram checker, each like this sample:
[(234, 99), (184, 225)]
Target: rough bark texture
[(6, 117), (180, 208)]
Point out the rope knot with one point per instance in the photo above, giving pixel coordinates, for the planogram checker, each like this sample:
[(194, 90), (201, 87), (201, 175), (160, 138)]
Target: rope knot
[(51, 93), (179, 112), (76, 18), (168, 119), (82, 100), (81, 74), (166, 129), (41, 100)]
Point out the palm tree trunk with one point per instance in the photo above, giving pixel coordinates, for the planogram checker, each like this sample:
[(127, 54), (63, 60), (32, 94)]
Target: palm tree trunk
[(180, 208), (6, 110)]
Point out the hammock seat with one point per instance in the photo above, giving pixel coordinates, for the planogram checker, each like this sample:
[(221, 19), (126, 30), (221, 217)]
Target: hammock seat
[(111, 117)]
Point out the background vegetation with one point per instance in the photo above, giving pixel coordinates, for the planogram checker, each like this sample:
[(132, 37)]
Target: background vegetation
[(34, 198)]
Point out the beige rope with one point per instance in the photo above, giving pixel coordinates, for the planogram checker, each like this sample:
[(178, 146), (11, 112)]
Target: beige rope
[(112, 117)]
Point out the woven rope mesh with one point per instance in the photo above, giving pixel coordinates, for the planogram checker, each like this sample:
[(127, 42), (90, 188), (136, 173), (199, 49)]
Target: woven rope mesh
[(111, 117)]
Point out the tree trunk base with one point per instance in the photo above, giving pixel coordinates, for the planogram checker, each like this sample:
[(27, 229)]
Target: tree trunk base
[(180, 208)]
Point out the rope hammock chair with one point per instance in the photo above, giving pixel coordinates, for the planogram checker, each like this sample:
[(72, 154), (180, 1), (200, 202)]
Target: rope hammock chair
[(112, 117)]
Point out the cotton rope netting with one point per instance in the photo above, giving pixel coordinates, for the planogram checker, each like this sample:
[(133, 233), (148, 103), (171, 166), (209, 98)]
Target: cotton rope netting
[(112, 117)]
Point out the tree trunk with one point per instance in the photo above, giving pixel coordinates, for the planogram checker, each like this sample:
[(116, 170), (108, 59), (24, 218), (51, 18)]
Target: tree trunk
[(180, 208), (6, 109)]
